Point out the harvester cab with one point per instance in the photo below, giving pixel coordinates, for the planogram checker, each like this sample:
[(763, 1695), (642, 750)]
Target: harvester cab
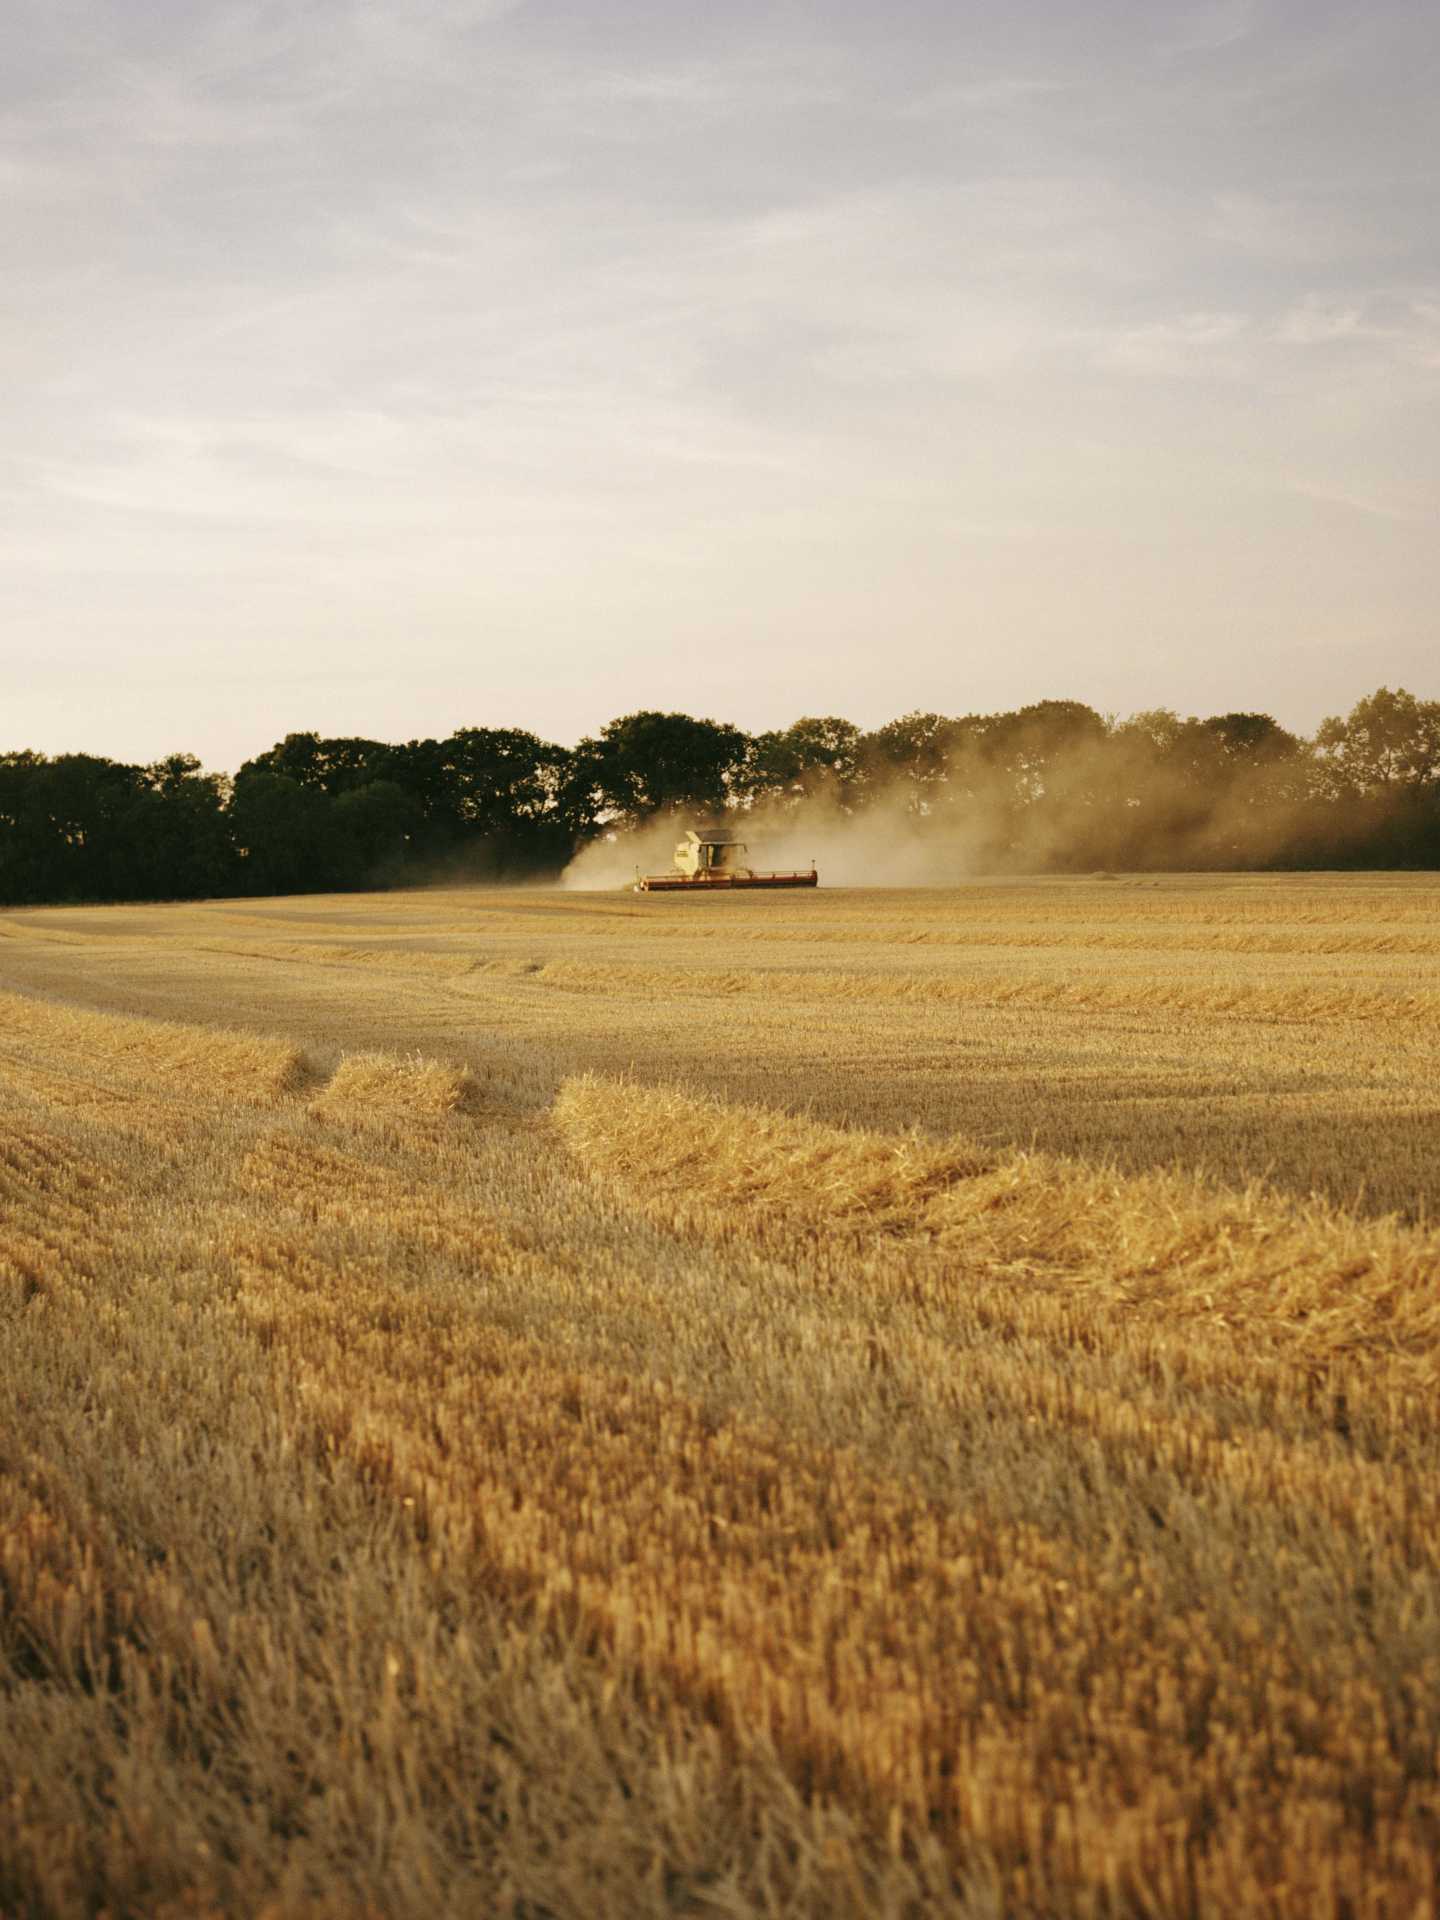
[(705, 862), (695, 856)]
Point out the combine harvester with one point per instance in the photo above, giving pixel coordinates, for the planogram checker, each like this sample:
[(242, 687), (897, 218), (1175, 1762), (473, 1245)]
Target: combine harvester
[(713, 864)]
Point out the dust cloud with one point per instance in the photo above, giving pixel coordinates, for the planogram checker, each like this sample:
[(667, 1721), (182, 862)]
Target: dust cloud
[(886, 845), (1102, 805)]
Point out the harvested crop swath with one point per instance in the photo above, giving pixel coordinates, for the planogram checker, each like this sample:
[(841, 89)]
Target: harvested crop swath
[(240, 1066), (1330, 1002), (1237, 1000), (377, 1088), (1023, 935), (1305, 1278)]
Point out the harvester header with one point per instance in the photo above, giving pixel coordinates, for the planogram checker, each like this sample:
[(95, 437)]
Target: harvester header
[(711, 862)]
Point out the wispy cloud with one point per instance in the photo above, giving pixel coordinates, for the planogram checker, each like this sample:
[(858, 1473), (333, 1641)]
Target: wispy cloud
[(1402, 327), (539, 323), (1187, 346), (1216, 25)]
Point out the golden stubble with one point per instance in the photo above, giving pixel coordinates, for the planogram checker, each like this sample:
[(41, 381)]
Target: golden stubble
[(1051, 1528)]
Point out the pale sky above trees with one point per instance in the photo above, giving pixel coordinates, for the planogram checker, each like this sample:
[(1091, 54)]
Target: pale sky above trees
[(387, 367)]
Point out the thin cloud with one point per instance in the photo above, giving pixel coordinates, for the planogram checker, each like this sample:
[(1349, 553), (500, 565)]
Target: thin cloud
[(945, 346), (1208, 29), (1188, 346), (1366, 505), (1402, 327)]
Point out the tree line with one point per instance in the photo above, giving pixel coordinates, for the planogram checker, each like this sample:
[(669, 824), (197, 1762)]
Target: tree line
[(1052, 786)]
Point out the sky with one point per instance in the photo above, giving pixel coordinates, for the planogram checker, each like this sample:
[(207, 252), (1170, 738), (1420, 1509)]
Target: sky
[(387, 366)]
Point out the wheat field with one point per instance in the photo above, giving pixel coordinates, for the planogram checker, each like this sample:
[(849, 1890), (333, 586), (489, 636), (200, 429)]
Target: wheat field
[(855, 1403)]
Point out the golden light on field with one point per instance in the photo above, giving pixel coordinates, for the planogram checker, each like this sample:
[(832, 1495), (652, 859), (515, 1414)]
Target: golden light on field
[(874, 1404)]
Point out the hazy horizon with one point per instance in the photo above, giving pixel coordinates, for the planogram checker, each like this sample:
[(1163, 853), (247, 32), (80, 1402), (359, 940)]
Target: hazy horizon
[(381, 369)]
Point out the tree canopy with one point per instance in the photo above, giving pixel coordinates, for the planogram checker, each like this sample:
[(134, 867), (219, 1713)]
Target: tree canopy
[(1047, 786)]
